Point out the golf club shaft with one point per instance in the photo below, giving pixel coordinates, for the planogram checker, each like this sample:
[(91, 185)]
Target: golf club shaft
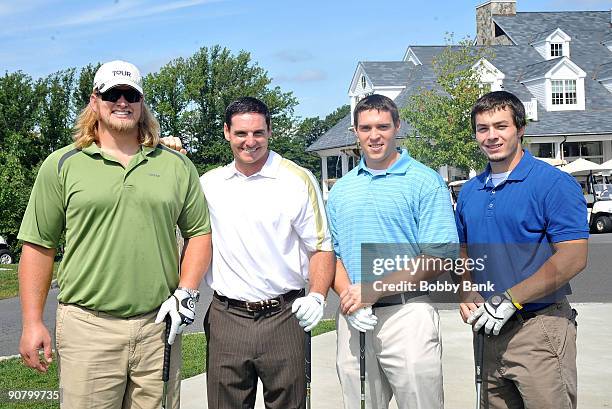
[(166, 368), (362, 367), (308, 366), (479, 364)]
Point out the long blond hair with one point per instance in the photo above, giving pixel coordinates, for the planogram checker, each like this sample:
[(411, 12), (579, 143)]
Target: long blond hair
[(86, 128)]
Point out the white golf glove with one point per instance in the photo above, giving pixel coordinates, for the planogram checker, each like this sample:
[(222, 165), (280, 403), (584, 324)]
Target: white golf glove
[(181, 307), (493, 314), (309, 310), (363, 319)]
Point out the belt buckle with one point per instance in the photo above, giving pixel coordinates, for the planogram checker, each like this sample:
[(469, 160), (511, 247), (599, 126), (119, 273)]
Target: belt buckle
[(253, 309), (261, 305)]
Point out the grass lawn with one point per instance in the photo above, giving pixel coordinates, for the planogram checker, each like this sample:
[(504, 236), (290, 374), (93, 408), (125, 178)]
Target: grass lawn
[(15, 376), (9, 283)]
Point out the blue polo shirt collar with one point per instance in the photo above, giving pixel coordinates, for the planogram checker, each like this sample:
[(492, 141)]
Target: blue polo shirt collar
[(518, 174), (399, 167)]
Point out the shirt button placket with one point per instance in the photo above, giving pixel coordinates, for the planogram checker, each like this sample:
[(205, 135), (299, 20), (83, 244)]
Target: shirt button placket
[(491, 204)]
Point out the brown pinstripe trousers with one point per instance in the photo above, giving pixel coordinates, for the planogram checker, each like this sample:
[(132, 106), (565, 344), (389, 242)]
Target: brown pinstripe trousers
[(242, 347)]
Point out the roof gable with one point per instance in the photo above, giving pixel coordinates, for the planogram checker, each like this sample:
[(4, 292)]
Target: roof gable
[(387, 73), (548, 69), (356, 86), (556, 35), (487, 71), (409, 55)]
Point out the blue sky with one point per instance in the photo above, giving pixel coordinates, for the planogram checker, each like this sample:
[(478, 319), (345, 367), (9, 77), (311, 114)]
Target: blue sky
[(309, 47)]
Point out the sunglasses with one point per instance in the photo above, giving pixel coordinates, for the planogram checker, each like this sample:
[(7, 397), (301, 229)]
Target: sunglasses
[(113, 95)]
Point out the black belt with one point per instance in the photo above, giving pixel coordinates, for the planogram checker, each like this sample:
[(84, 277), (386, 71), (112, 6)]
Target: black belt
[(397, 299), (263, 305), (520, 315)]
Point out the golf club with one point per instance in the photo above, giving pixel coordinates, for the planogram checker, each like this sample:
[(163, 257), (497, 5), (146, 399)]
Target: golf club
[(362, 367), (308, 362), (479, 358), (166, 369)]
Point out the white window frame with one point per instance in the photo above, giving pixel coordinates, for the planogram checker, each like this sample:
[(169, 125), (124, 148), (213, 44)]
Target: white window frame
[(556, 50), (565, 91)]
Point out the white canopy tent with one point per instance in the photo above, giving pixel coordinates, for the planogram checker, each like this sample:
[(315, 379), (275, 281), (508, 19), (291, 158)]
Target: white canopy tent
[(581, 167), (607, 167), (552, 161)]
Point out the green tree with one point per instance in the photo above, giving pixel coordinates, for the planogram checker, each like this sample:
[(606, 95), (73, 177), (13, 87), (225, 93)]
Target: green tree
[(190, 96), (57, 113), (84, 86), (165, 93), (441, 117), (19, 105), (16, 181), (293, 146)]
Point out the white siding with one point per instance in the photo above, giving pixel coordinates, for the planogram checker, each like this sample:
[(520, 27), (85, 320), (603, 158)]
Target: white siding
[(538, 90), (563, 72), (391, 93), (607, 84), (361, 90), (542, 49)]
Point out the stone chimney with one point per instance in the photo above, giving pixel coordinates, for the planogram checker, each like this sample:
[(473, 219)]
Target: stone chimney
[(485, 27)]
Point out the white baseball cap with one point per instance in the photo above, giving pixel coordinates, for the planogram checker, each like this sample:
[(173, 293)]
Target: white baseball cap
[(115, 73)]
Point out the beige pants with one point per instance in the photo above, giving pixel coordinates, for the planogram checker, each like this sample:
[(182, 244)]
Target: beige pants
[(403, 359), (532, 364), (110, 363)]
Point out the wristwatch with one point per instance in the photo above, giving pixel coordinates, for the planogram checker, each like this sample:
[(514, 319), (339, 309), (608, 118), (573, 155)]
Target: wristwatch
[(195, 294)]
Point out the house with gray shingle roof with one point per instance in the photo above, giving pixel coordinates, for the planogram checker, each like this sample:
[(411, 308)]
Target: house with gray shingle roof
[(558, 63)]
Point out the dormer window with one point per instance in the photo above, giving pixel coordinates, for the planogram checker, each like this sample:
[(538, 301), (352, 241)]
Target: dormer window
[(552, 44), (557, 84), (564, 92)]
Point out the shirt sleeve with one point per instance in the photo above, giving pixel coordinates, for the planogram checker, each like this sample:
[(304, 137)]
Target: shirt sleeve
[(565, 211), (44, 218), (437, 229), (194, 219), (461, 229), (311, 221), (331, 217)]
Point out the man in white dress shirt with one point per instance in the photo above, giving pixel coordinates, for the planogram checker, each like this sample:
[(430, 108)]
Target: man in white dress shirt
[(270, 237)]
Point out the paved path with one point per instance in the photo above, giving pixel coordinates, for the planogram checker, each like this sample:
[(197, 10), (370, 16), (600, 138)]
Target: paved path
[(594, 365)]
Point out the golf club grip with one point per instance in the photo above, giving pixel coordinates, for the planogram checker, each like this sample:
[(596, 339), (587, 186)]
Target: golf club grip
[(307, 356), (362, 355), (167, 348), (479, 354)]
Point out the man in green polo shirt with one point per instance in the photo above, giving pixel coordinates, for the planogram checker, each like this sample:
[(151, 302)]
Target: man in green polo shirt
[(117, 195)]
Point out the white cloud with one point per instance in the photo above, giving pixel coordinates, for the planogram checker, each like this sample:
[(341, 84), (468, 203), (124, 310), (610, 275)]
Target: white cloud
[(293, 55), (304, 76), (123, 10)]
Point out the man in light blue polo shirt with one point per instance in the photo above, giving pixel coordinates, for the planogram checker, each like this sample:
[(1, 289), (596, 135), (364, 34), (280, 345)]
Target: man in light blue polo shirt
[(393, 200), (528, 221)]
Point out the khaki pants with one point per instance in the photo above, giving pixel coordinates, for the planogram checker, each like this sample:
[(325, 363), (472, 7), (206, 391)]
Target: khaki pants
[(107, 362), (403, 358), (532, 364)]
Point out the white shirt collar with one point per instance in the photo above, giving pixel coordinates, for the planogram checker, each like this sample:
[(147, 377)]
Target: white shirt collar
[(269, 169)]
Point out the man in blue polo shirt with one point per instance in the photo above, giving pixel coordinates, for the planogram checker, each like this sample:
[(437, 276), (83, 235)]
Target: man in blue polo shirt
[(397, 202), (528, 221)]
